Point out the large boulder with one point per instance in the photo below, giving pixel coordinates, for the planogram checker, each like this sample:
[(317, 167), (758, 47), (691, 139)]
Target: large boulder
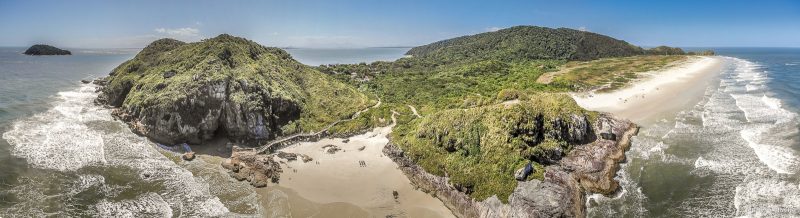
[(258, 169)]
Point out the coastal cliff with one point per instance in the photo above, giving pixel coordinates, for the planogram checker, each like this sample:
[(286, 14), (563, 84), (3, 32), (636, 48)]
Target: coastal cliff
[(45, 50), (485, 137), (488, 141), (587, 168), (226, 86)]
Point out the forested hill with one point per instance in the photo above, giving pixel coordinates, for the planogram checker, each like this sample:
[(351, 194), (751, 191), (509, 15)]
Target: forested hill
[(526, 43)]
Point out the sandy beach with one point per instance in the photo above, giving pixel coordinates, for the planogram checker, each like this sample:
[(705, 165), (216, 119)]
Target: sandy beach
[(659, 94), (356, 181)]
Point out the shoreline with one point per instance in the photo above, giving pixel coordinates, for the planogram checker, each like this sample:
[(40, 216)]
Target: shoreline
[(349, 188), (658, 95)]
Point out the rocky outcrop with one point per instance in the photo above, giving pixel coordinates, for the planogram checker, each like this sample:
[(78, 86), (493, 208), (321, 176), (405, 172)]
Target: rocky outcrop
[(246, 164), (226, 86), (210, 111), (458, 202), (45, 50), (588, 168)]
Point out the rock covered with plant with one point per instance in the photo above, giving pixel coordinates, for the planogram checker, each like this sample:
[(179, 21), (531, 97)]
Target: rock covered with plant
[(224, 86), (472, 158), (41, 49)]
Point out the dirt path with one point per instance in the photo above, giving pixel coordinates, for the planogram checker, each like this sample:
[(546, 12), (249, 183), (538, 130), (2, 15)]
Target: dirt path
[(267, 147), (414, 110)]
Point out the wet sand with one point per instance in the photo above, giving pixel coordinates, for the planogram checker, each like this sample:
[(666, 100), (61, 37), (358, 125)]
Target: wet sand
[(348, 183), (659, 95)]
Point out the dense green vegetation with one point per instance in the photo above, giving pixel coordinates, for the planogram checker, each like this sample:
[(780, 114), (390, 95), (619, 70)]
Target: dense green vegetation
[(704, 53), (664, 50), (481, 147), (484, 114), (46, 50), (527, 43), (610, 73), (169, 72), (433, 88)]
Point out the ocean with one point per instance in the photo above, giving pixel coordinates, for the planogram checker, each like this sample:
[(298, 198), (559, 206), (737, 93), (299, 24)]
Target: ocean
[(62, 155), (319, 56), (735, 153)]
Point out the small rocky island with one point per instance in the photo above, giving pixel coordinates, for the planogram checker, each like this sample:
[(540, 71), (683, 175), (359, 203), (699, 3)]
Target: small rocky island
[(41, 49)]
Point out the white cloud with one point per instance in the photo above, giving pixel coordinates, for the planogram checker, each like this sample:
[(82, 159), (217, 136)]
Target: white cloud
[(137, 41), (492, 29), (184, 32), (583, 28), (188, 34)]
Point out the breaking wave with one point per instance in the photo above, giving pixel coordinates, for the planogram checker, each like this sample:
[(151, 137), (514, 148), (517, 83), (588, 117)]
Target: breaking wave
[(103, 169), (733, 153)]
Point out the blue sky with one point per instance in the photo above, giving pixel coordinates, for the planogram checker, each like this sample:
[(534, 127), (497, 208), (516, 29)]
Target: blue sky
[(362, 23)]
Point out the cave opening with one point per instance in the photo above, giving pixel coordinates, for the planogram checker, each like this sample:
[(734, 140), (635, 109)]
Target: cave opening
[(217, 144)]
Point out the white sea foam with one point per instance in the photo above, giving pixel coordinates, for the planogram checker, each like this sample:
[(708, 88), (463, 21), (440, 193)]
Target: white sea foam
[(86, 181), (150, 204), (59, 138), (767, 120), (772, 103), (76, 134), (767, 198), (743, 139), (782, 159)]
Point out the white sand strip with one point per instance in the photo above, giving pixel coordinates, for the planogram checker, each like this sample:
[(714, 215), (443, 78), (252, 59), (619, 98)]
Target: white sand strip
[(661, 93), (357, 176)]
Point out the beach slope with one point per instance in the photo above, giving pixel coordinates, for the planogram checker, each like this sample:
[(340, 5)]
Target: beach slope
[(657, 94)]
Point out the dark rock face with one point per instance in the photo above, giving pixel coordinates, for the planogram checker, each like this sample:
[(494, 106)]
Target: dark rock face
[(458, 202), (606, 129), (169, 74), (246, 164), (207, 113), (175, 92), (46, 50), (523, 173), (588, 168)]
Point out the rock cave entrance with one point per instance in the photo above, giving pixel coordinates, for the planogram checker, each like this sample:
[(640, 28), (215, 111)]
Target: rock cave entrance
[(217, 145)]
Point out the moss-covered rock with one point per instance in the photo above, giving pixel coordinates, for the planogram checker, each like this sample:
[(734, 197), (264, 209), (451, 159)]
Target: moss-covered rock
[(224, 86), (46, 50), (480, 148)]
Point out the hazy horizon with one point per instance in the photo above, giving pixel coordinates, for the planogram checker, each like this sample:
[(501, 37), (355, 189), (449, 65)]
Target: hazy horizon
[(361, 24)]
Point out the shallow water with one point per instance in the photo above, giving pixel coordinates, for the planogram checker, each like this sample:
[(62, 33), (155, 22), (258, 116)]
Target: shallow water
[(735, 153), (64, 156)]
